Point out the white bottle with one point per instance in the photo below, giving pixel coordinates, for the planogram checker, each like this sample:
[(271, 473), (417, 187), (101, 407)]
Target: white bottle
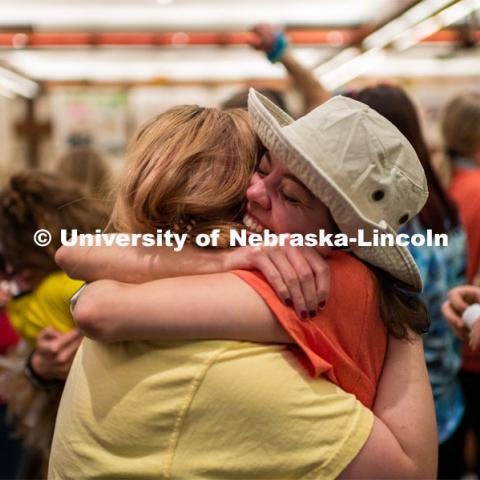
[(471, 314)]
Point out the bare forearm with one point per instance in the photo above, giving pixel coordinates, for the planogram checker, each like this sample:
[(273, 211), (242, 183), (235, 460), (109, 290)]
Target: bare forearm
[(204, 307), (404, 403), (137, 264), (403, 441), (311, 89)]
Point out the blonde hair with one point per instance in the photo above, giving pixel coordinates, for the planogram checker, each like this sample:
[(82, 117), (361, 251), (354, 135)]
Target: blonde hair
[(461, 124), (189, 169), (87, 168)]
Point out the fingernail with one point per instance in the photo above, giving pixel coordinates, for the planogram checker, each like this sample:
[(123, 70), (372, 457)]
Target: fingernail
[(304, 314), (289, 302), (321, 305), (312, 313)]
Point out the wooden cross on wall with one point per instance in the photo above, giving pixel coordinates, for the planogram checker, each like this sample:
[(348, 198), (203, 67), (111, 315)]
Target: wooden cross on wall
[(33, 132)]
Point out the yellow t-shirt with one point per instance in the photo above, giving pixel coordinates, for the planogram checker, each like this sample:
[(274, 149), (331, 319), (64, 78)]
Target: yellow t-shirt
[(47, 305), (201, 410)]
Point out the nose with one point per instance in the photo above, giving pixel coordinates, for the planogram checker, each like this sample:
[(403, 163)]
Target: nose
[(257, 192)]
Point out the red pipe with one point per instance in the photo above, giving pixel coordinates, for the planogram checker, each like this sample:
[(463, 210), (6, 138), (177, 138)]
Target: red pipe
[(315, 37), (307, 37)]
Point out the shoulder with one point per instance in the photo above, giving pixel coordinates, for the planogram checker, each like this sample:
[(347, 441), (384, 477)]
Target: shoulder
[(354, 295), (348, 273)]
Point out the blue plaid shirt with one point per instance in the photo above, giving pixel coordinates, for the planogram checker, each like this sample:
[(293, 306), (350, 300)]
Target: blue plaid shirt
[(441, 269)]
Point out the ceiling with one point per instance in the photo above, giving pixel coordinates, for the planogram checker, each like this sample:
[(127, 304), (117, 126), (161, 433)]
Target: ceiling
[(195, 40), (213, 15)]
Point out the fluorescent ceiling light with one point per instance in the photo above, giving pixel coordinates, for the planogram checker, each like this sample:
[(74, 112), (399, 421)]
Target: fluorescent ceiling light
[(352, 69), (193, 13), (431, 25), (110, 64), (397, 66), (381, 37), (384, 35), (68, 67), (17, 84), (5, 92), (338, 60), (102, 69), (357, 66)]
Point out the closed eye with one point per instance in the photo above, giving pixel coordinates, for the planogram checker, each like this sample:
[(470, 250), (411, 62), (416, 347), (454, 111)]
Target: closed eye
[(291, 200)]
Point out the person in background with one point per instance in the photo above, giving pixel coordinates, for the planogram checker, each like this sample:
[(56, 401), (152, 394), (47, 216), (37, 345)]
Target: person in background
[(240, 99), (10, 448), (441, 268), (85, 166), (38, 307), (275, 45), (276, 48), (461, 134)]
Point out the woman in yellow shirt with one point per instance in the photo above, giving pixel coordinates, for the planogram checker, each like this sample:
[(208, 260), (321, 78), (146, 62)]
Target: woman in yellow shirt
[(222, 409)]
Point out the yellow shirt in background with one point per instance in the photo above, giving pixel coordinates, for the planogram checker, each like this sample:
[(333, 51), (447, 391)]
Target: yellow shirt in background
[(47, 305), (201, 410)]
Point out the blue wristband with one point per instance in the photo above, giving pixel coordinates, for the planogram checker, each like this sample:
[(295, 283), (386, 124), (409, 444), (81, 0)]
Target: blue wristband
[(281, 44)]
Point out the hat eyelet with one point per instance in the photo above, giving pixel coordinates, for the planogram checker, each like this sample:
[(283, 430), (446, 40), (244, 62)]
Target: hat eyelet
[(378, 195), (403, 219)]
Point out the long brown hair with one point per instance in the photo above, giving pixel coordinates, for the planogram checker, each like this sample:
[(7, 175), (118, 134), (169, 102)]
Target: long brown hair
[(402, 311), (189, 169), (439, 213), (34, 200)]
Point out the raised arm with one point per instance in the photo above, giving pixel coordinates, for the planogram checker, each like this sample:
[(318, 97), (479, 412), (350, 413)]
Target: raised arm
[(403, 442), (312, 91), (202, 307), (314, 94)]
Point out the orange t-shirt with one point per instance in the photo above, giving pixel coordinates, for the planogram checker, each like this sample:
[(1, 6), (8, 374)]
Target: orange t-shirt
[(346, 341), (465, 190)]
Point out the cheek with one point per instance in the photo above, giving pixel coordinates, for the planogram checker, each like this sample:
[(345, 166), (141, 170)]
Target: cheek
[(287, 219), (298, 220), (305, 224)]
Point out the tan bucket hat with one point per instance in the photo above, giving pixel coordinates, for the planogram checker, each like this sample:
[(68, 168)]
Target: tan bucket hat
[(358, 164)]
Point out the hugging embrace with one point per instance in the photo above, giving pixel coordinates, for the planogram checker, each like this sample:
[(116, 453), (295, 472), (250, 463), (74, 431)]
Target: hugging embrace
[(233, 363)]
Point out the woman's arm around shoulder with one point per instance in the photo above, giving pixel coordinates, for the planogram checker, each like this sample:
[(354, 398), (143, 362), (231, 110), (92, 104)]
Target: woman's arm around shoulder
[(403, 442)]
